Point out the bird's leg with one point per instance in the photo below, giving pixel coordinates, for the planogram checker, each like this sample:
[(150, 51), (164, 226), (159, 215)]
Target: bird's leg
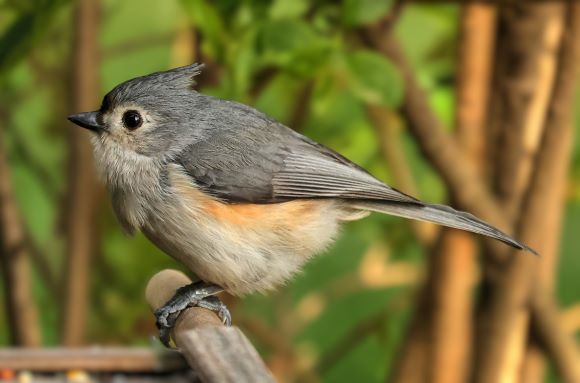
[(201, 294)]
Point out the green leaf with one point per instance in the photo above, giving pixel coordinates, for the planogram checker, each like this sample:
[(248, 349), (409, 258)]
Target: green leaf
[(292, 44), (285, 36), (374, 79), (358, 12), (287, 9)]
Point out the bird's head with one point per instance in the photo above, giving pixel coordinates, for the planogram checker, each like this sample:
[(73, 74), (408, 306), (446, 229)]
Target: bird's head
[(146, 115)]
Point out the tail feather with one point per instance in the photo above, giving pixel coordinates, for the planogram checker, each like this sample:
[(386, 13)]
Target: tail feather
[(443, 215)]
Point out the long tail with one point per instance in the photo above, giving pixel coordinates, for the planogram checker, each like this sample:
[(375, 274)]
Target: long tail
[(442, 215)]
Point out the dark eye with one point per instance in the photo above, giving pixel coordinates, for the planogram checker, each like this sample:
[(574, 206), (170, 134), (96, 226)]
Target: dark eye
[(132, 119)]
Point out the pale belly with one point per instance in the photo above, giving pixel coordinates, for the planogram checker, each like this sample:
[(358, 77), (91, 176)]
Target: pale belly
[(244, 248)]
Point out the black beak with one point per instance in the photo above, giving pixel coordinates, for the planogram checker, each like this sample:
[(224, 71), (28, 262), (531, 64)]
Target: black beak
[(87, 120)]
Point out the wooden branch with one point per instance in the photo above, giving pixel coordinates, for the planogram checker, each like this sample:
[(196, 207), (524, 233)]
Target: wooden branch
[(452, 266), (519, 285), (556, 341), (525, 75), (452, 278), (301, 108), (40, 260), (38, 257), (93, 359), (45, 180), (388, 132), (476, 56), (260, 81), (411, 362), (212, 72), (82, 193), (528, 55), (21, 310), (357, 334), (467, 188), (545, 319), (559, 120), (217, 353)]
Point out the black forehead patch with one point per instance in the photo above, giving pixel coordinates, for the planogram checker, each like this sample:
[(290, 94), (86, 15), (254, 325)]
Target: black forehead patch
[(106, 104)]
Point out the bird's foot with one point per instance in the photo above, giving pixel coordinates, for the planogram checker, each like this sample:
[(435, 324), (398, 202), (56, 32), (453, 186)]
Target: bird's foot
[(213, 303), (200, 294)]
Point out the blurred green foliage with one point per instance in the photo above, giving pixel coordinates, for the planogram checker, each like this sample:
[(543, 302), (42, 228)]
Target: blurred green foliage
[(305, 43)]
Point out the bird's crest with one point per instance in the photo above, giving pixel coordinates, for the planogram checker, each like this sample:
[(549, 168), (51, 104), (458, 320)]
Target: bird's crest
[(172, 81)]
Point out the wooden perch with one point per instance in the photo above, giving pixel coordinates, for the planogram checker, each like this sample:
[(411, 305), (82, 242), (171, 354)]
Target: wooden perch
[(90, 359), (217, 353)]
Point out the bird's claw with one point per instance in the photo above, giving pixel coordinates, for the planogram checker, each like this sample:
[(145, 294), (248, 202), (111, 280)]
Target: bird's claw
[(214, 304), (165, 320), (196, 294)]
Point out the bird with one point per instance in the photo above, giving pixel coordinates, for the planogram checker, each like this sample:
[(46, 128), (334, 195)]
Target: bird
[(237, 197)]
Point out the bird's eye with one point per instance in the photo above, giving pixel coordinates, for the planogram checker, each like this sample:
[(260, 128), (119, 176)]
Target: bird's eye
[(132, 119)]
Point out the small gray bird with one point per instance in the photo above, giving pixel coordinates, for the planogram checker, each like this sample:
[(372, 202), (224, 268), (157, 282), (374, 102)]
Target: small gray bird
[(238, 198)]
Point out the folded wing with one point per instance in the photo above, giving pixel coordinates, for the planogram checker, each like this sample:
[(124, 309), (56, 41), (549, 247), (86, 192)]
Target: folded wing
[(256, 160)]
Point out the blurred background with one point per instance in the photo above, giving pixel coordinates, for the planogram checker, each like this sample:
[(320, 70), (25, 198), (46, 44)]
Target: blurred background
[(465, 103)]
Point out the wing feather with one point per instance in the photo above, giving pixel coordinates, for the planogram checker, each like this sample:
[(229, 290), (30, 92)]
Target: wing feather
[(312, 173), (251, 158)]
